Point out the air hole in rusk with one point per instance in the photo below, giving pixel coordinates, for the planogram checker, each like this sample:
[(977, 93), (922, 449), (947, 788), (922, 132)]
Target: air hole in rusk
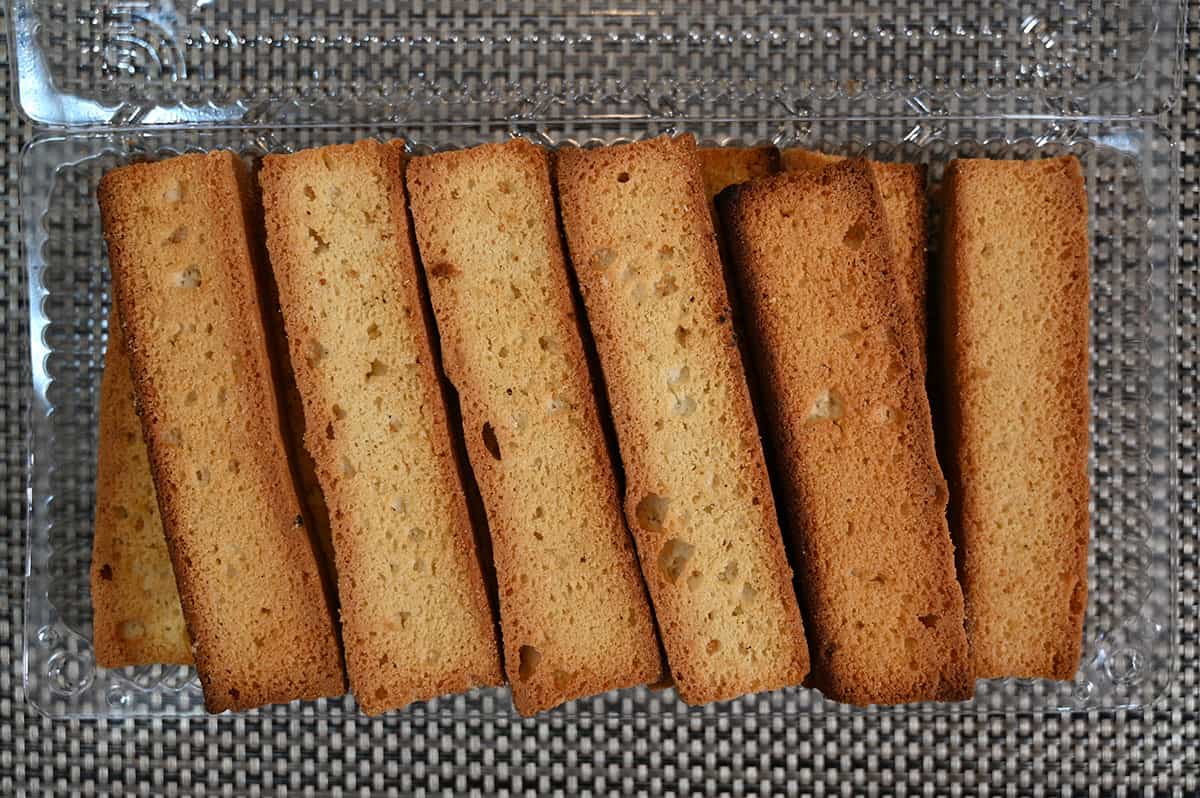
[(489, 440)]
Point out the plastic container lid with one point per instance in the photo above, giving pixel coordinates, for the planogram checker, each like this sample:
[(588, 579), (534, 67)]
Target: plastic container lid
[(214, 61)]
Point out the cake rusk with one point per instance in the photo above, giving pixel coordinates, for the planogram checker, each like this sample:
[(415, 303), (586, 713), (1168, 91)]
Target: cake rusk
[(136, 617), (573, 608), (416, 622), (902, 189), (853, 438), (698, 496), (727, 166), (1014, 292), (181, 237)]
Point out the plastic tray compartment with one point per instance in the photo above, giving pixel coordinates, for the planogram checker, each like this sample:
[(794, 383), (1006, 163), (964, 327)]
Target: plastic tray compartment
[(139, 62), (1131, 171)]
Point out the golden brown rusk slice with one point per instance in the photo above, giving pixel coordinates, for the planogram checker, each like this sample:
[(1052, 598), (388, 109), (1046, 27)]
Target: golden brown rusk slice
[(573, 608), (698, 497), (136, 618), (181, 243), (1014, 293), (727, 166), (415, 616), (845, 401), (902, 191)]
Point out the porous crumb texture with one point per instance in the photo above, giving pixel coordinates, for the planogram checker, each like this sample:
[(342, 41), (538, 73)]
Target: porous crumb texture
[(573, 606), (180, 246), (846, 403), (902, 189), (698, 498), (415, 617), (1014, 305), (136, 619)]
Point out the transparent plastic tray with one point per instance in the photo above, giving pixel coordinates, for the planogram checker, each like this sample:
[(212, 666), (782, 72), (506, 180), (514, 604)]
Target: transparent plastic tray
[(1130, 170), (110, 82), (141, 62)]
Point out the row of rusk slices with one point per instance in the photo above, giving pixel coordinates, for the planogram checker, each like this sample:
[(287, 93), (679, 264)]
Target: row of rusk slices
[(752, 325)]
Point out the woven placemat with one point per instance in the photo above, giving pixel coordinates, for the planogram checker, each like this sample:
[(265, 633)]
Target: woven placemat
[(1148, 752)]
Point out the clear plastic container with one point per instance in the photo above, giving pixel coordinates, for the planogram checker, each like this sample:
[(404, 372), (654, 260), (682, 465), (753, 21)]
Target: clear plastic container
[(130, 81), (156, 62)]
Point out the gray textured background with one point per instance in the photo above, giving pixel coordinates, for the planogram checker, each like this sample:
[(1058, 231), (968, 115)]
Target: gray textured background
[(1145, 752)]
